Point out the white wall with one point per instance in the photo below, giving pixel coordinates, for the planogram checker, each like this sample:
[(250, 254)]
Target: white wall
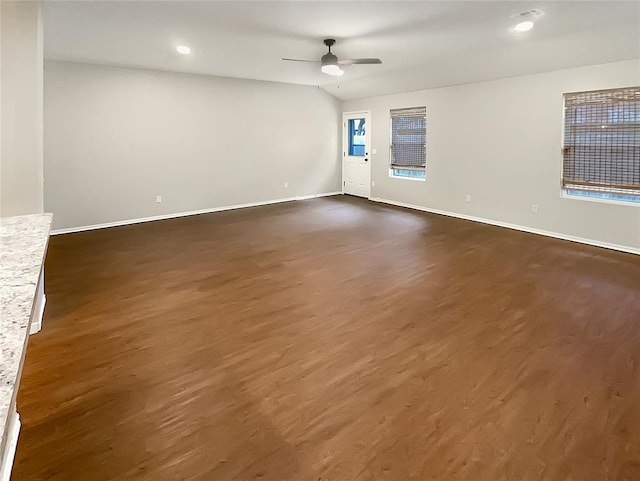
[(499, 141), (117, 137), (21, 165)]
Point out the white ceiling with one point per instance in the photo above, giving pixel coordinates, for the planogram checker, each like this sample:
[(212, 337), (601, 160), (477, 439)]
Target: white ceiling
[(422, 44)]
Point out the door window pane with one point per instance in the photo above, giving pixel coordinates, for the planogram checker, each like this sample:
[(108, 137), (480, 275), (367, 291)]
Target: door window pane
[(356, 137)]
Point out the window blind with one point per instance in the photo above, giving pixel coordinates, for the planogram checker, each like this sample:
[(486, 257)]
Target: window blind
[(409, 138), (601, 150)]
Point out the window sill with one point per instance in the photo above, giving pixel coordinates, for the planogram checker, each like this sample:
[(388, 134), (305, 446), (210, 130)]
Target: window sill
[(564, 195)]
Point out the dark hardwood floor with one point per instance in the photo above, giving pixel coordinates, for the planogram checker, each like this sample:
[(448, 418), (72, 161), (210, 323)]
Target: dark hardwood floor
[(336, 340)]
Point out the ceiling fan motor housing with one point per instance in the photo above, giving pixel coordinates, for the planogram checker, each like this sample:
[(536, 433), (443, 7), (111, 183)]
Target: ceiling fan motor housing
[(329, 59)]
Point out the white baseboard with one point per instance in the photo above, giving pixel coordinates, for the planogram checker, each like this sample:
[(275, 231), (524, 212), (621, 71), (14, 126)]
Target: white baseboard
[(10, 444), (483, 220), (507, 225), (188, 213)]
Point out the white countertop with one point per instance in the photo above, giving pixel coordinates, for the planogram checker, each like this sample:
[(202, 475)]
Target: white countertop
[(23, 243)]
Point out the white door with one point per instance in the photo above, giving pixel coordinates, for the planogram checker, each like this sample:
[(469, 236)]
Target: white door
[(356, 142)]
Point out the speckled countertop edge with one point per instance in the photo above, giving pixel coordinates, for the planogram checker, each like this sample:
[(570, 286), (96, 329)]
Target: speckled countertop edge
[(23, 244)]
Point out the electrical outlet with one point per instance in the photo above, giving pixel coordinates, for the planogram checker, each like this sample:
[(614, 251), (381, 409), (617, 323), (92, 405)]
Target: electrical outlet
[(373, 183), (286, 185), (374, 151), (468, 198), (534, 208), (158, 199)]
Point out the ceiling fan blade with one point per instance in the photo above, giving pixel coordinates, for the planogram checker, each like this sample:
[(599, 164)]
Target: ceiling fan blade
[(300, 60), (360, 61)]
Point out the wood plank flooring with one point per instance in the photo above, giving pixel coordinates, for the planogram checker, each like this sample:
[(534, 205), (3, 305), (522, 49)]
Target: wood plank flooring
[(332, 340)]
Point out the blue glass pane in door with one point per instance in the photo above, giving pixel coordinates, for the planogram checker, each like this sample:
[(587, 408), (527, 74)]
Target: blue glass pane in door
[(356, 137)]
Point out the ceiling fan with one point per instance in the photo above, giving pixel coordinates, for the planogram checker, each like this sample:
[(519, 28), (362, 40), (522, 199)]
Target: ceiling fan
[(330, 63)]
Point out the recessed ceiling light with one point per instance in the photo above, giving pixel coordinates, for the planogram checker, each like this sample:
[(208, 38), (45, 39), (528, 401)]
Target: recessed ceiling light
[(183, 49), (524, 21), (523, 26)]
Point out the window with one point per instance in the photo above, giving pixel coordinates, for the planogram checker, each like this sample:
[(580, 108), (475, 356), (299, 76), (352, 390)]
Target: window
[(357, 137), (601, 151), (408, 143)]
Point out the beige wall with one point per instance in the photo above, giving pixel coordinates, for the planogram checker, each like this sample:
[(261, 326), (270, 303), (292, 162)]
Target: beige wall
[(21, 165), (117, 137), (499, 142)]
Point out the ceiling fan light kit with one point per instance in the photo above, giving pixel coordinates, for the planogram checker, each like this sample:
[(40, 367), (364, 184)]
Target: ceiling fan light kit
[(329, 63), (332, 69)]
